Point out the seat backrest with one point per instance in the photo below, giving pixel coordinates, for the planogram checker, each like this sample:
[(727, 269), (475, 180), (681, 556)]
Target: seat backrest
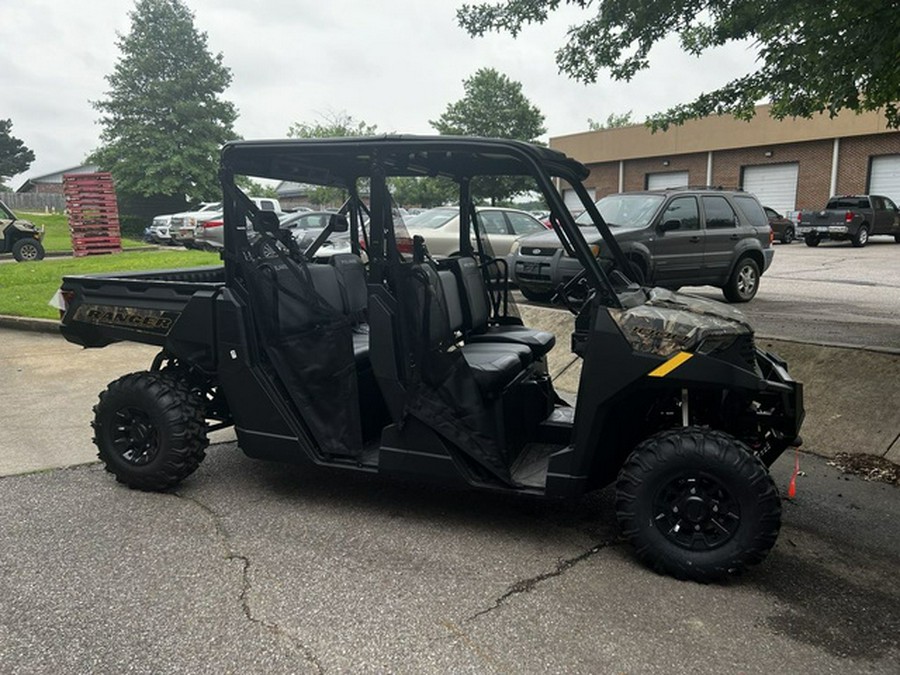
[(325, 282), (431, 307), (452, 300), (267, 221), (351, 275), (474, 294)]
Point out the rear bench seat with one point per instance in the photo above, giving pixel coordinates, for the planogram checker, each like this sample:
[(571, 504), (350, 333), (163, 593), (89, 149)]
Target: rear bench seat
[(477, 314), (342, 285)]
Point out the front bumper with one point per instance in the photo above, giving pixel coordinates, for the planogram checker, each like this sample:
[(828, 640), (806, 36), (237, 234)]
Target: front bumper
[(784, 393), (542, 273)]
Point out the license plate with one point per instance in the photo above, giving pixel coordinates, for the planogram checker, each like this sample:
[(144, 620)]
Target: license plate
[(531, 268)]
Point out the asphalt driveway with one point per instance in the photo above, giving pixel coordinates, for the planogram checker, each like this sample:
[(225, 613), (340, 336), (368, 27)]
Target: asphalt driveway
[(254, 567)]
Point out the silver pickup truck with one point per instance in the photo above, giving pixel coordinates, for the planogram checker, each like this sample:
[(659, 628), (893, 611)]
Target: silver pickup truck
[(853, 217)]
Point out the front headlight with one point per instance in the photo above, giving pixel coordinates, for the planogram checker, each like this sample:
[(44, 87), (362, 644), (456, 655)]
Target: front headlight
[(514, 249)]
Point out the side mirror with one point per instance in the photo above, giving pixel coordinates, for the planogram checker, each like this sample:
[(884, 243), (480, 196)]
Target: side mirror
[(338, 223), (669, 225)]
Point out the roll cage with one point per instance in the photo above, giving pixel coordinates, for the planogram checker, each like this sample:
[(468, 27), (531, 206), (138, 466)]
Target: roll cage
[(351, 161)]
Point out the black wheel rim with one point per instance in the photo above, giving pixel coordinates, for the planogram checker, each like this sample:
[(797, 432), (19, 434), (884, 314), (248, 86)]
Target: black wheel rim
[(134, 436), (696, 512)]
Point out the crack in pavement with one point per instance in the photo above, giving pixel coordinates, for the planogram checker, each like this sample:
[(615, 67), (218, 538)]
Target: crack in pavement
[(231, 555), (529, 584)]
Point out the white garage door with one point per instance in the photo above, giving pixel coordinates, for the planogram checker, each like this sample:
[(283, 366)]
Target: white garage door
[(573, 203), (885, 177), (670, 179), (775, 185)]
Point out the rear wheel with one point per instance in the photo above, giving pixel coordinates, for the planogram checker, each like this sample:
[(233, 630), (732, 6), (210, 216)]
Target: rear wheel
[(744, 281), (26, 250), (150, 431), (897, 238), (861, 238), (811, 240), (697, 505)]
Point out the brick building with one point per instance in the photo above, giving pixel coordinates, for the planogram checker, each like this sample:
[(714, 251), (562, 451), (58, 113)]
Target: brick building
[(791, 164)]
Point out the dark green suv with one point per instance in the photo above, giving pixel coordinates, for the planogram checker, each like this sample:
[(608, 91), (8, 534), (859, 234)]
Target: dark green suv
[(675, 237)]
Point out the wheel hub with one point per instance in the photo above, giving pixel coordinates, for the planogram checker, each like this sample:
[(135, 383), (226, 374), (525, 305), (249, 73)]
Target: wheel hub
[(134, 436), (696, 512)]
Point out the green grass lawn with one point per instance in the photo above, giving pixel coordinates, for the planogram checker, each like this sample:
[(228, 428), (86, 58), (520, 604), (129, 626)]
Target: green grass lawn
[(56, 231), (25, 288)]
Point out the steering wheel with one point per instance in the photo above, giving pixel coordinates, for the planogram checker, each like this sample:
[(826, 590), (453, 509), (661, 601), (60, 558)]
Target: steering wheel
[(566, 293)]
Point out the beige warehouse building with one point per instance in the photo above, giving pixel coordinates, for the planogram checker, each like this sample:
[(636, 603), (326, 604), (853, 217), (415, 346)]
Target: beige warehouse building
[(790, 164)]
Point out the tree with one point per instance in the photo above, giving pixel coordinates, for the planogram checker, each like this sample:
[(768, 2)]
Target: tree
[(493, 106), (330, 125), (423, 191), (14, 156), (614, 121), (163, 118), (813, 57)]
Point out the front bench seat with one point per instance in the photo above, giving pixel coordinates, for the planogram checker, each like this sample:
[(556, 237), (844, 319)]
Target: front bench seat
[(493, 366), (479, 331)]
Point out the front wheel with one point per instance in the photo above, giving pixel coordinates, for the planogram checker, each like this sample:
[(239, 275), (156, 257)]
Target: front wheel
[(744, 281), (27, 250), (536, 296), (150, 431), (861, 238), (696, 504)]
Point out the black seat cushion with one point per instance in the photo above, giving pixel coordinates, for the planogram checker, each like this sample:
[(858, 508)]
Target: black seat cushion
[(492, 369), (538, 341)]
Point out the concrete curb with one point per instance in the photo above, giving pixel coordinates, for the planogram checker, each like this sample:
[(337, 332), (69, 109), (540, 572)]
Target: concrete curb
[(29, 324)]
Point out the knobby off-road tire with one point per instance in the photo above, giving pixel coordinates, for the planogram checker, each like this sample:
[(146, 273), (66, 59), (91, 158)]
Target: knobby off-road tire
[(150, 431), (695, 504), (744, 281), (861, 238), (28, 250)]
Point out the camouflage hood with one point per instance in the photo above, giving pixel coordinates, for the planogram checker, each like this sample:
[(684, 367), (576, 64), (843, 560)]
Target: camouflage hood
[(671, 322)]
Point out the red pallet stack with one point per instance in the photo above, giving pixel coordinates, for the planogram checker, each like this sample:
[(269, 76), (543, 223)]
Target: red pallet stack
[(93, 213)]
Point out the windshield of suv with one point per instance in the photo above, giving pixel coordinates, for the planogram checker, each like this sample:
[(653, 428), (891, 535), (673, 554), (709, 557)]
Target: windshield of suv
[(433, 218), (625, 211)]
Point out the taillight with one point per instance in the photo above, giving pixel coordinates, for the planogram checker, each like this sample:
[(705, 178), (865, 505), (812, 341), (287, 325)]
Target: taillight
[(771, 236), (849, 216), (405, 245), (68, 297), (210, 224)]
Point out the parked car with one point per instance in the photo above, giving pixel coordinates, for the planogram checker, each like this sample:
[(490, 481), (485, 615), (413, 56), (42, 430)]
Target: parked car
[(158, 232), (210, 234), (853, 217), (782, 228), (182, 225), (207, 231), (440, 228), (20, 237), (673, 238)]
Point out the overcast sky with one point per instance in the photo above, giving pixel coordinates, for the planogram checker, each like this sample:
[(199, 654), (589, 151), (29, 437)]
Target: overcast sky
[(393, 63)]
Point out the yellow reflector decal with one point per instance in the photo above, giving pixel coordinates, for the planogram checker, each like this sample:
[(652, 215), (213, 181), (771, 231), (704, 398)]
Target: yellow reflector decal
[(670, 365)]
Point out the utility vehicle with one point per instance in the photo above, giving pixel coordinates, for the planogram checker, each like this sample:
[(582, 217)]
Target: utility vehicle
[(20, 237), (411, 367)]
